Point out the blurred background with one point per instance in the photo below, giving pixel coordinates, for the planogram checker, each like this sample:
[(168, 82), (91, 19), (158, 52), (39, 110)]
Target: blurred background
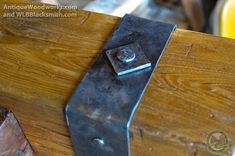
[(215, 17)]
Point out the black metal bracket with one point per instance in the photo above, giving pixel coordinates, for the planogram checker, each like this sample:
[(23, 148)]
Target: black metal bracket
[(100, 111)]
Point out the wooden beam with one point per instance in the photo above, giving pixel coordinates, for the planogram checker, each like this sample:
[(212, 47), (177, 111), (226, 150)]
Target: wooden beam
[(192, 92)]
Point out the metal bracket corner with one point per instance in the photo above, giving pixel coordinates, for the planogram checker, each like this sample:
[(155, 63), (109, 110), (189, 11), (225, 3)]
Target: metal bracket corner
[(101, 109)]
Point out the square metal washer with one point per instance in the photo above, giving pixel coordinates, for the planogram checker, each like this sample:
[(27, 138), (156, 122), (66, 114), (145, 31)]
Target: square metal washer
[(140, 61)]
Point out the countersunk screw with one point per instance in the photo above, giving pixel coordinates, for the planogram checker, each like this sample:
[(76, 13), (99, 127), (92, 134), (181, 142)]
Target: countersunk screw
[(98, 141), (20, 153), (126, 55)]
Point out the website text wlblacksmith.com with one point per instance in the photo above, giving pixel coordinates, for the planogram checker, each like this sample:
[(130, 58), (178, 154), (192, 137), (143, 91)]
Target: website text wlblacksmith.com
[(38, 7), (30, 10)]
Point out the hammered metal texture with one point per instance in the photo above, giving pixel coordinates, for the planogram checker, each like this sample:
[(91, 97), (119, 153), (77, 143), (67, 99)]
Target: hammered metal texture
[(100, 110)]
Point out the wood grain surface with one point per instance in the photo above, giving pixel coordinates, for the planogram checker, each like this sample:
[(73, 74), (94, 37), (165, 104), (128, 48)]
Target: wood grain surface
[(192, 92)]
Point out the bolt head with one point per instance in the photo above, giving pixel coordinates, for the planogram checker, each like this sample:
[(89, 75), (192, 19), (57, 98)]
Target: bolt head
[(126, 55)]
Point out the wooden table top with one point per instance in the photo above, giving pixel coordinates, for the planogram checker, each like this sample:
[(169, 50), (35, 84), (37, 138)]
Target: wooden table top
[(191, 94)]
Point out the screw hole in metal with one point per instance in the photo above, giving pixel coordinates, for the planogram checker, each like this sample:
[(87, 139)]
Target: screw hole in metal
[(108, 51), (98, 141)]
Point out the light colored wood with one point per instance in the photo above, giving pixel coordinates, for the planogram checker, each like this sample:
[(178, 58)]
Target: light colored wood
[(192, 92)]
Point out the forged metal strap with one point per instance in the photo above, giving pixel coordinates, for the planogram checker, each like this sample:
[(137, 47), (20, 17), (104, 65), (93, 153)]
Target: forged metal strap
[(100, 111)]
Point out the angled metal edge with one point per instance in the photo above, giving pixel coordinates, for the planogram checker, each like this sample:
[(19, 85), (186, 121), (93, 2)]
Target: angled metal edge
[(100, 111)]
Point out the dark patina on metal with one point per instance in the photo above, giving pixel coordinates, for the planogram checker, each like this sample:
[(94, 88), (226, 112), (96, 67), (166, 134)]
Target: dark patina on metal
[(128, 58), (101, 109)]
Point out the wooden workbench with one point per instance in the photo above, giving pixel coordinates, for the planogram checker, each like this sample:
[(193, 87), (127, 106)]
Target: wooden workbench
[(192, 92)]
